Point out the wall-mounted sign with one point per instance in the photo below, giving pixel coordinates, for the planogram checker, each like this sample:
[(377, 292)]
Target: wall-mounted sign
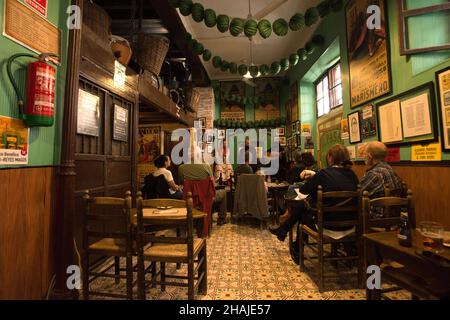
[(14, 142), (431, 152), (120, 124), (120, 75), (88, 114), (393, 155), (443, 83), (352, 152), (149, 147), (30, 29), (38, 5), (368, 122)]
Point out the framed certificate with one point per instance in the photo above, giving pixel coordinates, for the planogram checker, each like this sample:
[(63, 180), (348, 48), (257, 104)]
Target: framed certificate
[(443, 83)]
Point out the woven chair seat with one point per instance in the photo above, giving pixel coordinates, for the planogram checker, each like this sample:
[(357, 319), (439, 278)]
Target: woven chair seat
[(170, 251)]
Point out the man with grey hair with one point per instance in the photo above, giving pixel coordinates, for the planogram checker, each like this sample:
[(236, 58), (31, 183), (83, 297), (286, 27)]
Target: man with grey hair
[(380, 175)]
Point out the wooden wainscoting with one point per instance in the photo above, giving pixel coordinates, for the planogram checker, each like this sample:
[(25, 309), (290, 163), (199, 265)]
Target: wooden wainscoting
[(26, 232), (431, 189)]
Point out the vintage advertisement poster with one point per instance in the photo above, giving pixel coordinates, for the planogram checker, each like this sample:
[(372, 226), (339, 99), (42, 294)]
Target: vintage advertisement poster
[(268, 93), (231, 107), (38, 5), (368, 52), (14, 142), (362, 151), (149, 147), (368, 122), (294, 102), (345, 134), (443, 79), (393, 155)]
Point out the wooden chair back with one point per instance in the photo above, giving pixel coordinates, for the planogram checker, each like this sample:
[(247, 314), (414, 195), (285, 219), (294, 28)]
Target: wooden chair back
[(391, 207), (116, 212), (348, 205)]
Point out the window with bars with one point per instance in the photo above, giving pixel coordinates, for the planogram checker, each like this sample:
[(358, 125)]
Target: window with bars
[(329, 91)]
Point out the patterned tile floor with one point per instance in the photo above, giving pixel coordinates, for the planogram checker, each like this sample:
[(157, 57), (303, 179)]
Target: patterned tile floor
[(247, 263)]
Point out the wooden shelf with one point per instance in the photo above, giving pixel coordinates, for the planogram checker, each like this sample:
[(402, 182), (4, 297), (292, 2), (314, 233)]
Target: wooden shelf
[(152, 96)]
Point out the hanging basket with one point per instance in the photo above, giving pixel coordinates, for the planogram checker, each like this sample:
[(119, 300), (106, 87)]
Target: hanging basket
[(98, 20), (151, 52)]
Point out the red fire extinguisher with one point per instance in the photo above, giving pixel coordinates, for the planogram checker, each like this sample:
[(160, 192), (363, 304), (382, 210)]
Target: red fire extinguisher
[(39, 110)]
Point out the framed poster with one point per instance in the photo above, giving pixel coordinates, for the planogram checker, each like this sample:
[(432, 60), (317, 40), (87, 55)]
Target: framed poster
[(368, 53), (410, 117), (149, 147), (120, 124), (368, 121), (88, 120), (345, 134), (355, 127), (268, 103), (306, 130), (232, 97), (443, 83), (281, 132), (14, 142)]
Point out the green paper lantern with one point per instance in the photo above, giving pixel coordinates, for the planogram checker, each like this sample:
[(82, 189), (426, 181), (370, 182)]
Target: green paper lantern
[(217, 61), (280, 27), (324, 8), (309, 47), (265, 28), (185, 7), (223, 23), (188, 37), (210, 18), (297, 22), (302, 54), (236, 26), (293, 59), (264, 69), (174, 3), (311, 16), (224, 66), (192, 43), (251, 28), (198, 12), (242, 69), (199, 48), (275, 68), (284, 63), (207, 55), (254, 70), (233, 68)]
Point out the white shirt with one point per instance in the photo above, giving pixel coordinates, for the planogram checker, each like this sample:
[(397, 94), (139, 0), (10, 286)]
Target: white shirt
[(166, 173)]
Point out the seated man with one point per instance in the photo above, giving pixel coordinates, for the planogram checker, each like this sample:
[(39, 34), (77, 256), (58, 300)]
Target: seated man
[(162, 163), (245, 168), (337, 177), (380, 175), (201, 172)]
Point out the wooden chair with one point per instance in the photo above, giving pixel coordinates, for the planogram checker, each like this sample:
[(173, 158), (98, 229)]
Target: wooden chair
[(182, 249), (323, 236), (113, 239), (391, 207)]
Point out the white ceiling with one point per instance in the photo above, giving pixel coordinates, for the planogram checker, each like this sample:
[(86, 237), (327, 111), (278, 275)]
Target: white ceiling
[(237, 49)]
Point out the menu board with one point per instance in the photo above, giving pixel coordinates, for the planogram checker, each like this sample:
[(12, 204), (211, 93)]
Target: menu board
[(88, 114), (30, 29), (120, 124)]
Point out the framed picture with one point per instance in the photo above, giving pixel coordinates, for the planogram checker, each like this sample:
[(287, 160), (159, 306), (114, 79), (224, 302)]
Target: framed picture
[(281, 132), (354, 127), (209, 137), (294, 127), (209, 148), (282, 141), (299, 141), (443, 83), (368, 121), (409, 118), (221, 134), (202, 122), (368, 53)]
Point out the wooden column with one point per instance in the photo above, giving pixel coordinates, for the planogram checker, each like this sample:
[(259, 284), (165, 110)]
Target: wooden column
[(65, 198)]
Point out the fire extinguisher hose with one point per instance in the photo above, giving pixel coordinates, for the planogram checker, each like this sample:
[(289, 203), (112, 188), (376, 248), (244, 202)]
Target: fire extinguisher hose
[(13, 81)]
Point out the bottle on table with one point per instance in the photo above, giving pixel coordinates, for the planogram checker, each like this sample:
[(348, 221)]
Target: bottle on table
[(405, 234)]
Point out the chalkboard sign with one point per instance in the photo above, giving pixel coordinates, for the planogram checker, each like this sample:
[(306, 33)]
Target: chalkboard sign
[(120, 124), (88, 114)]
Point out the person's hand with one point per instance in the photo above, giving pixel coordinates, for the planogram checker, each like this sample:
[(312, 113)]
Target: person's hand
[(307, 174)]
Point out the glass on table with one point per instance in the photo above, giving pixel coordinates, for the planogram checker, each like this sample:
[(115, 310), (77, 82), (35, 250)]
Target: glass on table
[(432, 235)]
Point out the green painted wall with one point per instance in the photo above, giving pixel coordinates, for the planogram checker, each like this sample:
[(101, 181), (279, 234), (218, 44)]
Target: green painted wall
[(407, 72), (45, 143)]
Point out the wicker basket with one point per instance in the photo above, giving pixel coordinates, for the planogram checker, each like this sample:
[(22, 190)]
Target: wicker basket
[(192, 98), (98, 20), (151, 52)]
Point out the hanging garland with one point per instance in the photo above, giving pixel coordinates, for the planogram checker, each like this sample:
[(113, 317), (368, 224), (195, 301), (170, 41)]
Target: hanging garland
[(275, 68), (251, 27)]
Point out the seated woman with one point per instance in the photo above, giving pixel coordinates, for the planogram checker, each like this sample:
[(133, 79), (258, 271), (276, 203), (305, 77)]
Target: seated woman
[(162, 163), (337, 177)]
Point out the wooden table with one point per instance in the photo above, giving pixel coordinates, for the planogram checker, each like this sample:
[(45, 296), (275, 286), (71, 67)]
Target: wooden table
[(153, 218), (382, 246)]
